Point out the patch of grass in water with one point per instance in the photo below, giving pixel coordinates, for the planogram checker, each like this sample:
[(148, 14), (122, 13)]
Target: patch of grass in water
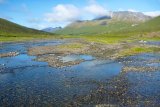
[(138, 50), (26, 38), (106, 39), (71, 46)]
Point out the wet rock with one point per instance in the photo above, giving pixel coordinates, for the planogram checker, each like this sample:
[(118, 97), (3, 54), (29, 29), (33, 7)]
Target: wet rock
[(55, 61), (9, 54), (139, 69), (105, 105)]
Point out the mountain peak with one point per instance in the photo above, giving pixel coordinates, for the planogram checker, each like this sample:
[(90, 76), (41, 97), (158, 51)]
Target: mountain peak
[(130, 16)]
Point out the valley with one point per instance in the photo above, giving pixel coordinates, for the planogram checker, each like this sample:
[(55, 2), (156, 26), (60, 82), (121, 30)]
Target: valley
[(104, 62)]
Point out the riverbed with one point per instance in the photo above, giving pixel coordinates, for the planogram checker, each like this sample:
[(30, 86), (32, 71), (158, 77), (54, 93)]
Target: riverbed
[(129, 81)]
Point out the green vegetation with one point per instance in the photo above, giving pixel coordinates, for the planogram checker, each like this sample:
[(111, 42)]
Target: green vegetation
[(13, 32), (94, 29), (116, 32), (71, 46), (138, 50), (113, 32)]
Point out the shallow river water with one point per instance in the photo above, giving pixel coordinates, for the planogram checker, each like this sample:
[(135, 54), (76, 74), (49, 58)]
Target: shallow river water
[(25, 82)]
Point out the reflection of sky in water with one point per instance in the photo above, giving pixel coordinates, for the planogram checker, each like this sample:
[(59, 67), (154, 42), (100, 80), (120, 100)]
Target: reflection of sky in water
[(33, 80), (98, 70), (29, 80), (142, 60), (21, 47), (157, 43), (77, 57), (145, 84), (21, 60)]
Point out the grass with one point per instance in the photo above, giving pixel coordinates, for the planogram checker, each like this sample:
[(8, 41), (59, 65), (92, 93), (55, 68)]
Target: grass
[(112, 33), (71, 46), (13, 32), (26, 38), (138, 50), (116, 32), (94, 29), (106, 39)]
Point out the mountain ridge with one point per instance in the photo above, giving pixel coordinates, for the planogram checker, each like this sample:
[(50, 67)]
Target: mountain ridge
[(51, 29), (107, 25)]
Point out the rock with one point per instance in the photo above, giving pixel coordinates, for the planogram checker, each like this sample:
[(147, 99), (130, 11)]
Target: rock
[(9, 54)]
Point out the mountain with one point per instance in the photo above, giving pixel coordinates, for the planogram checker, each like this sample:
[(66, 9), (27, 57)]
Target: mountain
[(10, 31), (117, 21), (152, 25), (103, 17), (50, 29), (8, 28), (130, 16)]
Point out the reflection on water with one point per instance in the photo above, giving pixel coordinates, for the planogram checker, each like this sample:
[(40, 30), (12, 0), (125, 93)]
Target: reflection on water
[(76, 57), (25, 82), (157, 43)]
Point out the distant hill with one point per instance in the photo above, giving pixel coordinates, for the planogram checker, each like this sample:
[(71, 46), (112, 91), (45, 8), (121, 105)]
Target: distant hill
[(116, 22), (51, 30), (8, 28)]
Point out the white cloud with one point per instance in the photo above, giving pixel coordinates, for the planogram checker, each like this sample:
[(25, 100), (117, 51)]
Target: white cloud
[(70, 13), (132, 10), (95, 9), (120, 9), (153, 13), (62, 13)]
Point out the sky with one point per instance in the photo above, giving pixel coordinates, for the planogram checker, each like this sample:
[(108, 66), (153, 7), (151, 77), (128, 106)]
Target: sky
[(40, 14)]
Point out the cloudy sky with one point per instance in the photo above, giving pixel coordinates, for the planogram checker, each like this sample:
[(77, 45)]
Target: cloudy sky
[(51, 13)]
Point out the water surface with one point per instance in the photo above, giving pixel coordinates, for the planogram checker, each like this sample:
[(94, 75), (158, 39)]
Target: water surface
[(26, 82)]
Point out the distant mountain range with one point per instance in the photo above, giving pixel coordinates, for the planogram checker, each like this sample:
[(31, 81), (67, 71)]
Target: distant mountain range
[(115, 22), (130, 16), (123, 16), (50, 29)]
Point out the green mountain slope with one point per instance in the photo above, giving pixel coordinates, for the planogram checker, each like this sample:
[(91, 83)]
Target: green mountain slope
[(151, 25), (9, 28), (94, 29), (116, 32), (10, 31), (119, 21)]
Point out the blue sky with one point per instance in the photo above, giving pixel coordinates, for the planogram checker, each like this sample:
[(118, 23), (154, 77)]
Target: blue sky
[(51, 13)]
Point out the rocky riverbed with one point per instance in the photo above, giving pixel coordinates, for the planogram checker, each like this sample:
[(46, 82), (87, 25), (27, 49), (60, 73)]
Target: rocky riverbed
[(9, 54), (78, 73)]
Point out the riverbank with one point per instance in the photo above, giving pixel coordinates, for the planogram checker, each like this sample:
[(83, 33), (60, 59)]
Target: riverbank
[(52, 54)]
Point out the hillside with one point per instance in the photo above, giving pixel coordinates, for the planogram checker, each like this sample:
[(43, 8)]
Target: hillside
[(151, 25), (10, 27), (10, 31), (117, 22)]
